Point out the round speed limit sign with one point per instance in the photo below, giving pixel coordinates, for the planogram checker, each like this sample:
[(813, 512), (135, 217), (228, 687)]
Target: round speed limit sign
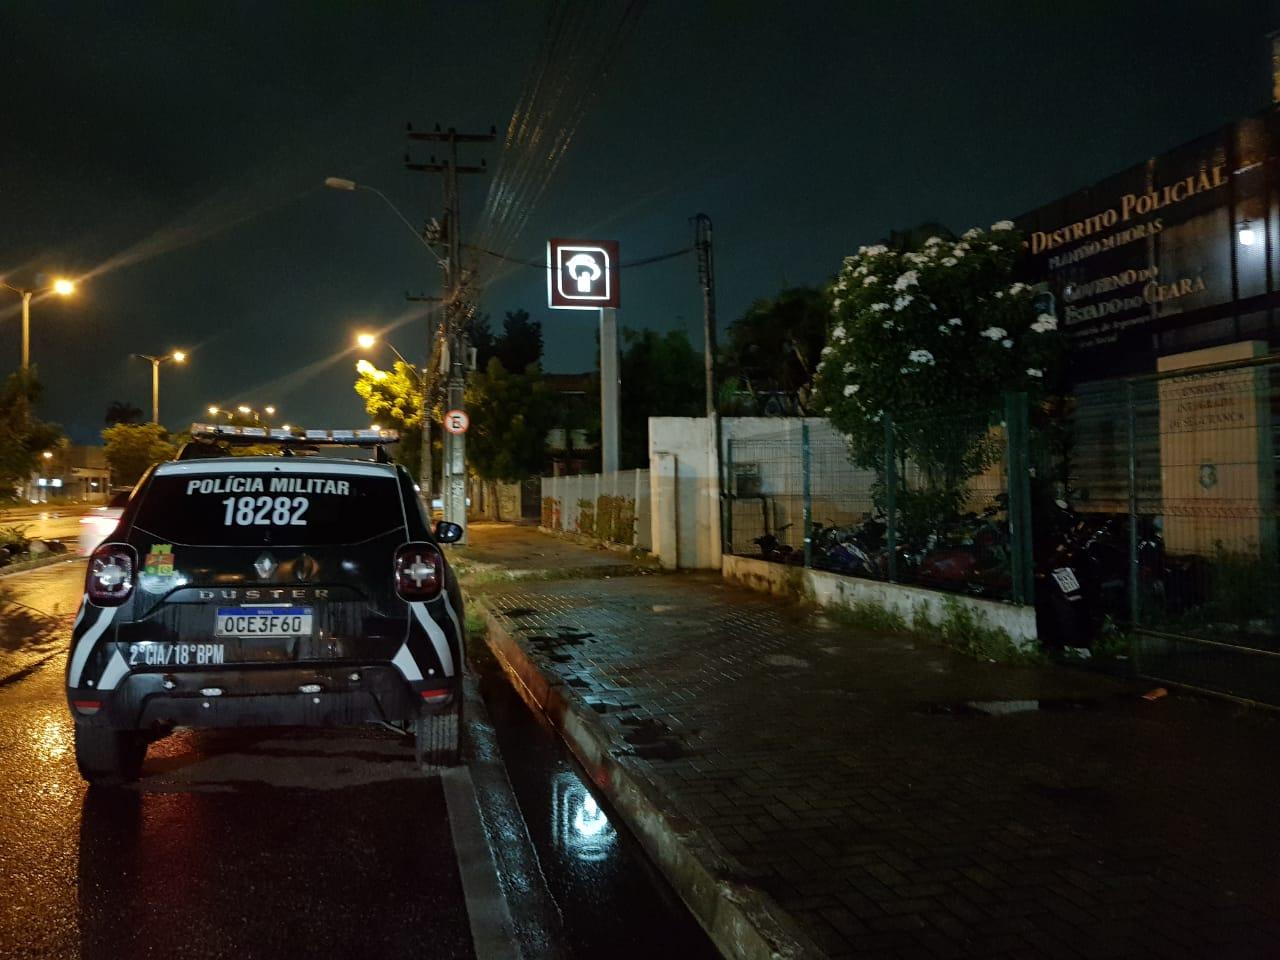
[(456, 421)]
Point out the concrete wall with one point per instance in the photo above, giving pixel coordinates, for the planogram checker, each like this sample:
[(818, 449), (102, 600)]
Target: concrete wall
[(491, 500), (686, 503), (597, 504), (834, 590), (685, 494)]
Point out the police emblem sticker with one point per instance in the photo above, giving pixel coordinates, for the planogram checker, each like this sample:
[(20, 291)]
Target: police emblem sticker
[(159, 561)]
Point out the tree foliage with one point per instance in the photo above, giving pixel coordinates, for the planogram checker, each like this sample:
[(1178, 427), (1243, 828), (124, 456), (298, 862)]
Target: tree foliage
[(122, 411), (933, 336), (520, 343), (393, 398), (662, 376), (774, 347), (132, 447), (511, 414), (23, 438)]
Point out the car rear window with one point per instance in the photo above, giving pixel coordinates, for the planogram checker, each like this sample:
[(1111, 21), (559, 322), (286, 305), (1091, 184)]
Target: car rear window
[(277, 506)]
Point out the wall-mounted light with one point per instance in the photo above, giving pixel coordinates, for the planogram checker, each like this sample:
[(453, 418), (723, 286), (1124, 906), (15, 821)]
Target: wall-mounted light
[(1245, 234)]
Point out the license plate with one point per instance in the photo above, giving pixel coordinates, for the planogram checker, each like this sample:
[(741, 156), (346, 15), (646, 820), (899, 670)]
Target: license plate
[(1066, 578), (263, 622), (176, 654)]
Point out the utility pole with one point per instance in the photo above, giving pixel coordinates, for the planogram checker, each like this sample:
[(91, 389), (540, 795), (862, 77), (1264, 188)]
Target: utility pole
[(721, 486), (453, 472), (426, 381), (707, 280)]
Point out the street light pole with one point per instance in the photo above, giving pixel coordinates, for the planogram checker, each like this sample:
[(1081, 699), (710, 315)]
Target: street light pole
[(177, 356), (26, 332)]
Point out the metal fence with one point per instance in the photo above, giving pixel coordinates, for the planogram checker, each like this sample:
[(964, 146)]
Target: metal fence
[(1176, 475), (933, 505)]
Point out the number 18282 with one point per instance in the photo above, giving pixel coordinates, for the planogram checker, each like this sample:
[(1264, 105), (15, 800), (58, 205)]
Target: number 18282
[(265, 511)]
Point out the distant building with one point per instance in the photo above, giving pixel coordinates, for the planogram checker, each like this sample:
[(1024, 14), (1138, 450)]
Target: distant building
[(74, 473), (573, 446)]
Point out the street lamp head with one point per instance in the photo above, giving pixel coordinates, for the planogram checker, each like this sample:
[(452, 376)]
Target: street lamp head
[(48, 454), (271, 411), (213, 411), (64, 287), (285, 427), (339, 183), (179, 356), (365, 341), (244, 409)]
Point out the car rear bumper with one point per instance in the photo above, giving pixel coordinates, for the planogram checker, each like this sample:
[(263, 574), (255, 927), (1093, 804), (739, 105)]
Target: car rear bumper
[(293, 695)]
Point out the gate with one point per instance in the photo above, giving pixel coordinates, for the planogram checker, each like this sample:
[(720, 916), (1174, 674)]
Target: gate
[(1182, 463)]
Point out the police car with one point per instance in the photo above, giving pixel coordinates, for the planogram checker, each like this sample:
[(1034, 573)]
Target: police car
[(298, 588)]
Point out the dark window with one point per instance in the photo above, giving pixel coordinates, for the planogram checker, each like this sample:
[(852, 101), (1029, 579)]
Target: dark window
[(281, 507), (119, 499)]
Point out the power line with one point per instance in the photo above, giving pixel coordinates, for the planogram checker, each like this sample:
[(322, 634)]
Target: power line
[(542, 264)]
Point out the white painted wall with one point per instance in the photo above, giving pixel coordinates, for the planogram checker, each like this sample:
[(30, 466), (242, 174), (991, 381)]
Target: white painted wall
[(568, 494)]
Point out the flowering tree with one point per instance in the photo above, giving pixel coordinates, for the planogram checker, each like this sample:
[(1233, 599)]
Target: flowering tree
[(934, 337)]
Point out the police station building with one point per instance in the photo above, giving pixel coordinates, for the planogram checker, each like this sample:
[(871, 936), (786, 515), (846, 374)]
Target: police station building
[(1173, 255)]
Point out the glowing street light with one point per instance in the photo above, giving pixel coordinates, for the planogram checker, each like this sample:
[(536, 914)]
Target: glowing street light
[(365, 341), (177, 356), (61, 286)]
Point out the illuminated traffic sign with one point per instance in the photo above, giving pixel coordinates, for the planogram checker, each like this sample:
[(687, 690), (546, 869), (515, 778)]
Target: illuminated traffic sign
[(582, 274), (456, 422)]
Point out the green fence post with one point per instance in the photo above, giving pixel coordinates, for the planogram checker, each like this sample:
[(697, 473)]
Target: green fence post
[(1017, 435), (727, 485), (1131, 419), (890, 497), (807, 513)]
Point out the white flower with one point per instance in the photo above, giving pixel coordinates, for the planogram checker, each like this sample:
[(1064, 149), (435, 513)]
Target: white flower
[(995, 333), (1002, 225), (1017, 288), (870, 279), (971, 233), (877, 307), (1044, 323), (921, 356), (933, 241), (1034, 372), (835, 303), (837, 333), (943, 328), (949, 261), (826, 351), (999, 294), (1006, 343), (903, 302), (876, 418), (851, 388), (848, 368), (956, 322), (889, 325), (860, 270), (908, 279), (958, 250), (873, 251)]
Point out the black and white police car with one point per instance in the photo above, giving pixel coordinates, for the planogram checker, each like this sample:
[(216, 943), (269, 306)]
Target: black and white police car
[(300, 588)]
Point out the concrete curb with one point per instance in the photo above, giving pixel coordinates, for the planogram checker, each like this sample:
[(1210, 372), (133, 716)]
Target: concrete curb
[(741, 920)]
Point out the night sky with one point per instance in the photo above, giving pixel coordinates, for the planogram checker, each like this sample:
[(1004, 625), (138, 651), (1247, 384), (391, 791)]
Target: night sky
[(175, 152)]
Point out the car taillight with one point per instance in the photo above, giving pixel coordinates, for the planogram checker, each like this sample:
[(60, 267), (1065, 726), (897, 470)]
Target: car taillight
[(111, 574), (419, 571)]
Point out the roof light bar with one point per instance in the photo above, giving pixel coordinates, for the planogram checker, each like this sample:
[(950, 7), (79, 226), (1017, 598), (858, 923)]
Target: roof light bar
[(226, 431)]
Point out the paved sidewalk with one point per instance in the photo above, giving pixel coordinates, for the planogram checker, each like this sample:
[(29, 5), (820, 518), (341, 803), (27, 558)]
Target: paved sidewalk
[(860, 795)]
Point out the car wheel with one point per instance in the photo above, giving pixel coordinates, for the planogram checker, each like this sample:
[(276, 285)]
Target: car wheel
[(438, 737), (109, 757)]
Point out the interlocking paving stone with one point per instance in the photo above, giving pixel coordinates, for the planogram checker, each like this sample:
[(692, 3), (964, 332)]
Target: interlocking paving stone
[(825, 761)]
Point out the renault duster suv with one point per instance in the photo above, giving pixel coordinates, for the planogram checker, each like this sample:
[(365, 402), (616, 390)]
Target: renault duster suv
[(294, 589)]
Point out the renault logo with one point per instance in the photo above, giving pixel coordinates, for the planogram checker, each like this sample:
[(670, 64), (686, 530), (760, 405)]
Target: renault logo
[(265, 565)]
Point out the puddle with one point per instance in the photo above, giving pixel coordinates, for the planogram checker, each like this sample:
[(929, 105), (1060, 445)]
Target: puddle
[(782, 660), (519, 612), (1004, 708)]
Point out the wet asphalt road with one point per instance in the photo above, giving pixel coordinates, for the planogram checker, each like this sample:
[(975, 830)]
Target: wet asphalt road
[(312, 843)]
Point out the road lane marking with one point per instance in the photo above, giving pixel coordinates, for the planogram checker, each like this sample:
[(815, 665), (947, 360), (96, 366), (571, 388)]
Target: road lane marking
[(492, 932)]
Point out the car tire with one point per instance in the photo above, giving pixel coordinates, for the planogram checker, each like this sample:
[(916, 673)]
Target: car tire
[(109, 757), (438, 737)]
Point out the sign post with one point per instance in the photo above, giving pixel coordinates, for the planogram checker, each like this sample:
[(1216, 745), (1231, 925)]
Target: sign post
[(584, 275)]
